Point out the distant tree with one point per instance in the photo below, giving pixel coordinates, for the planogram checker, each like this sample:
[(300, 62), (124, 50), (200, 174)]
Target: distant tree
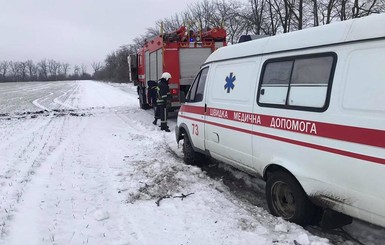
[(116, 65), (4, 65), (364, 8), (97, 66), (84, 75), (236, 23), (32, 70), (315, 13), (53, 68), (254, 18), (65, 68), (76, 71), (43, 70), (201, 15), (15, 70), (84, 69), (23, 71)]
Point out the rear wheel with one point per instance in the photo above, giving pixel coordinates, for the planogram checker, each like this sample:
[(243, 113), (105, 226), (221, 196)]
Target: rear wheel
[(142, 98), (286, 199), (189, 155)]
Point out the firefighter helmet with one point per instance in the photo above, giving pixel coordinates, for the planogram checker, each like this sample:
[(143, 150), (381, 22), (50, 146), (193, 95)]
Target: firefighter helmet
[(166, 75)]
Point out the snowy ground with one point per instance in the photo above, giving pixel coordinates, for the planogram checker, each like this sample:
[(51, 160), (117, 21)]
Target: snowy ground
[(82, 164)]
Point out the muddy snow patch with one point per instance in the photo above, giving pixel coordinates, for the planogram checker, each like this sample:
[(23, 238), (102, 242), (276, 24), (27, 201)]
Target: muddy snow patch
[(156, 179), (44, 113)]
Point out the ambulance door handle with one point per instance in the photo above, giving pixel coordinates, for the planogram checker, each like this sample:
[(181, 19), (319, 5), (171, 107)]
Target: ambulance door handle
[(216, 139), (262, 91)]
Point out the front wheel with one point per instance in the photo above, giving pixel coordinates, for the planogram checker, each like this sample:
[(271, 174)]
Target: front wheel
[(189, 155), (286, 199)]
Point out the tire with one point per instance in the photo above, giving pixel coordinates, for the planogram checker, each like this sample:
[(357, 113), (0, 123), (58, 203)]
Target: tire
[(142, 99), (190, 156), (286, 198)]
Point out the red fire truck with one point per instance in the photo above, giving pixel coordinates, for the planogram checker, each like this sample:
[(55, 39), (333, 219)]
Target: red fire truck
[(181, 53)]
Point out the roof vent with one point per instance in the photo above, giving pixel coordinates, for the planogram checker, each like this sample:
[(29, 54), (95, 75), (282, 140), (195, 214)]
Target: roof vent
[(246, 38)]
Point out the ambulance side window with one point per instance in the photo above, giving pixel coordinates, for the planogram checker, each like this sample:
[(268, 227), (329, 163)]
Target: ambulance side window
[(196, 91), (301, 82)]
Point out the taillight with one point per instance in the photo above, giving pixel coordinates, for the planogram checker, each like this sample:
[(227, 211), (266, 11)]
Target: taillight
[(174, 94)]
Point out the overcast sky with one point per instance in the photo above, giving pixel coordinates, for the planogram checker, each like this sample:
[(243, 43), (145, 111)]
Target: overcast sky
[(77, 31)]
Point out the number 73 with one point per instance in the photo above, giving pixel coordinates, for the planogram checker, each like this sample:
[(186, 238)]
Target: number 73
[(195, 129)]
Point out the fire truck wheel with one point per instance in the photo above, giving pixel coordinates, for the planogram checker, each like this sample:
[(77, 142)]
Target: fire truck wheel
[(286, 199), (190, 156), (142, 99)]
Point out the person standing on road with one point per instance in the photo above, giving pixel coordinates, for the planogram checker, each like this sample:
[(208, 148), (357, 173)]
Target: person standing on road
[(163, 99), (152, 94)]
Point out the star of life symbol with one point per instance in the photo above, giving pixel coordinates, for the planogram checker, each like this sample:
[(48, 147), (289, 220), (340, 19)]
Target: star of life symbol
[(230, 82)]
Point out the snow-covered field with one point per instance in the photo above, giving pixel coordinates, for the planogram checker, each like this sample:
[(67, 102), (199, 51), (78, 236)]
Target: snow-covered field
[(80, 163)]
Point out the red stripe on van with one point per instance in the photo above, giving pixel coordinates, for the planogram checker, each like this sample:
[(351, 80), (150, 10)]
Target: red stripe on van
[(366, 136), (296, 142), (192, 109)]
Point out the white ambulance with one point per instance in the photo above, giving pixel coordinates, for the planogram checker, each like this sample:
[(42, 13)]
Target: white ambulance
[(305, 111)]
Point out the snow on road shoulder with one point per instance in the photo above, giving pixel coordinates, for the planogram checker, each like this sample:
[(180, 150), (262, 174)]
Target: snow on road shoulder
[(174, 203)]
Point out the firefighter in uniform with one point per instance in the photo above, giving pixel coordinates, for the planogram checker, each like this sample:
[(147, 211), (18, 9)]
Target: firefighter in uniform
[(163, 100)]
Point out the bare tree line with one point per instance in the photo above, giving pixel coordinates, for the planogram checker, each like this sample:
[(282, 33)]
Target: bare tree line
[(254, 17), (115, 68), (44, 70), (266, 17)]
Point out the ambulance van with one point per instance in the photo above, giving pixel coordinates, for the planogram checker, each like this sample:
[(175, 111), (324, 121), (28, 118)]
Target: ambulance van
[(305, 111)]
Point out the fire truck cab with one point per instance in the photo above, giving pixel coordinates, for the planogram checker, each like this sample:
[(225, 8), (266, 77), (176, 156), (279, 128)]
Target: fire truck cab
[(181, 53)]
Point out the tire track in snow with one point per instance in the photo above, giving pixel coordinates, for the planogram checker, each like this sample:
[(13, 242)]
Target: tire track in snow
[(17, 130), (91, 182), (36, 102), (23, 166), (56, 100), (70, 92), (30, 208), (20, 97), (74, 211)]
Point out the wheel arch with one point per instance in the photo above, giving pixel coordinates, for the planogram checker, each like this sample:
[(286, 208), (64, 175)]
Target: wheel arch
[(289, 169), (183, 131), (273, 167)]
